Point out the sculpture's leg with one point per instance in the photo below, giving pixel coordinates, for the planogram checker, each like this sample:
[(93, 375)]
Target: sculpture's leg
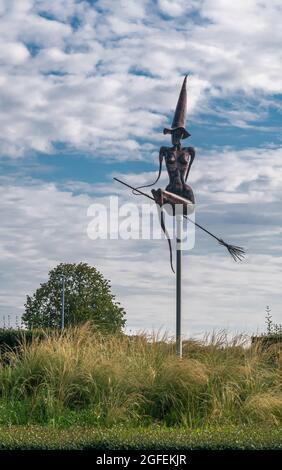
[(160, 200), (158, 196)]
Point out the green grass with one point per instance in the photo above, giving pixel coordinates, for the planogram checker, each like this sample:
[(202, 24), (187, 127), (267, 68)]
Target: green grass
[(81, 378), (122, 438)]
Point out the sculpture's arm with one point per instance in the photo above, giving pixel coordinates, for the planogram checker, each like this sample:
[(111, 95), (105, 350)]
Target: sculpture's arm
[(192, 154), (161, 157)]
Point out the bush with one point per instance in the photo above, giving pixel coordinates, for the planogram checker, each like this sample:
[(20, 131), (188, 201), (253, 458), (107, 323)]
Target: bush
[(81, 377), (10, 339), (268, 339), (15, 340)]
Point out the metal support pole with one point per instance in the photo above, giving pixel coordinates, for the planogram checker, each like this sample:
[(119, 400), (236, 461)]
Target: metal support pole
[(63, 304), (179, 222)]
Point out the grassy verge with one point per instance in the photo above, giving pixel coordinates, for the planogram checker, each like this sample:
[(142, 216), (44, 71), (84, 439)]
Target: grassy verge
[(118, 437), (81, 378)]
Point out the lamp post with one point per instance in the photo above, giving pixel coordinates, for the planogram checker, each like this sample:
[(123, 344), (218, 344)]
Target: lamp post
[(63, 304)]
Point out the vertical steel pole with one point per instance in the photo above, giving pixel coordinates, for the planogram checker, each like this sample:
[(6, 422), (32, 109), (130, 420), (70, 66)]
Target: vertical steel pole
[(63, 304), (179, 222)]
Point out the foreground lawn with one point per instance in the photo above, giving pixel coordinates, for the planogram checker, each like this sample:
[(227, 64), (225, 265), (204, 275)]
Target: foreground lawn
[(154, 437)]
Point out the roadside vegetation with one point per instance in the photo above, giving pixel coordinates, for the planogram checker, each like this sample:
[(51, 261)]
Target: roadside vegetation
[(84, 378), (150, 438)]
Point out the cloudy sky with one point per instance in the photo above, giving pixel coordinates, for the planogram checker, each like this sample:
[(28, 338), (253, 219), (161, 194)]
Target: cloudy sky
[(86, 88)]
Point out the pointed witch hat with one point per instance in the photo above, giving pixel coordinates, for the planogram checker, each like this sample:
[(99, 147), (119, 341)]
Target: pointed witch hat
[(180, 113)]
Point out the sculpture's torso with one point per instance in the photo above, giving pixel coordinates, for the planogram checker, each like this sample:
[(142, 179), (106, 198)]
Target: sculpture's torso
[(177, 164)]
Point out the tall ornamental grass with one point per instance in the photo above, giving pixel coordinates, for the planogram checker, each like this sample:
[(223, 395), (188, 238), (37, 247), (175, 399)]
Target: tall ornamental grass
[(82, 377)]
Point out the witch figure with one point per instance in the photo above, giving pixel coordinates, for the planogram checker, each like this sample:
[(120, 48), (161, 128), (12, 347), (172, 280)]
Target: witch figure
[(178, 197), (178, 161)]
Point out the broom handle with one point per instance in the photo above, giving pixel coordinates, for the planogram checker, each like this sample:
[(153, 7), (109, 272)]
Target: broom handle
[(186, 217)]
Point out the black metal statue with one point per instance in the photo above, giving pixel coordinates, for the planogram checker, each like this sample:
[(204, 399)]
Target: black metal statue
[(178, 162), (178, 159)]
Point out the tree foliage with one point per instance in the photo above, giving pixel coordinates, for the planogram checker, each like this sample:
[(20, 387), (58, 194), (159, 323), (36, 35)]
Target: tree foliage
[(87, 298)]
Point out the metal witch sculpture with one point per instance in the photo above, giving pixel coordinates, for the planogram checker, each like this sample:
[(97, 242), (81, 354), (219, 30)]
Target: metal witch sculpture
[(177, 194)]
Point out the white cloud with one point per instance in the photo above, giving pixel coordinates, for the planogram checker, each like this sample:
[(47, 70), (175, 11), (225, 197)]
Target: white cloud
[(13, 53), (69, 68), (128, 9), (178, 7), (103, 79), (227, 175), (42, 226)]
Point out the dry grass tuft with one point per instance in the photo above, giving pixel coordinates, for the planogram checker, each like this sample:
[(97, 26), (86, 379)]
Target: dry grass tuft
[(86, 378)]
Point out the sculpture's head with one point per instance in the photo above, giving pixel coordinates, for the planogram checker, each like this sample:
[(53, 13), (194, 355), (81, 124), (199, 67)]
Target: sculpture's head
[(178, 134), (177, 130)]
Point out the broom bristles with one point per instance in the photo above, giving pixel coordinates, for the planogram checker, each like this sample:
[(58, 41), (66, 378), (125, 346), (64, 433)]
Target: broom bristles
[(237, 252)]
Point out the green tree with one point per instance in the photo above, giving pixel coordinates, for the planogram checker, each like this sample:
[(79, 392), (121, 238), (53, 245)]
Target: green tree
[(87, 298)]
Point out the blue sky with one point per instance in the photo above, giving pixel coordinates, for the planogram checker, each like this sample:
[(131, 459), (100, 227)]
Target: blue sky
[(86, 88)]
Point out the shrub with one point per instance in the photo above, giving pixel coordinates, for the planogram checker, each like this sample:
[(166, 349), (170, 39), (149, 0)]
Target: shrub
[(11, 339), (83, 377)]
